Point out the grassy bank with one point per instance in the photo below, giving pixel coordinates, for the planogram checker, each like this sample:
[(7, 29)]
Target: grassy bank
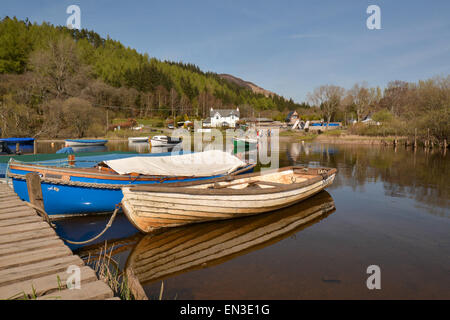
[(344, 137)]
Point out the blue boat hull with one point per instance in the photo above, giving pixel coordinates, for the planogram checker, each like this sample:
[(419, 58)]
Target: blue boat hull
[(63, 199)]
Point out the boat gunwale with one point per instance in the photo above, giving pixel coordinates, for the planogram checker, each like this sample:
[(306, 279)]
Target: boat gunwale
[(182, 187), (75, 172)]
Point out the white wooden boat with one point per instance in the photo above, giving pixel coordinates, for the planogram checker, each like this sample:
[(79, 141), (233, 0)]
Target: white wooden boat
[(138, 139), (164, 141), (174, 251), (151, 207)]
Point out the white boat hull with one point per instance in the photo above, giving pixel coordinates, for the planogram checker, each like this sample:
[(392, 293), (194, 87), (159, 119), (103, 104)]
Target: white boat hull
[(158, 143), (138, 139), (83, 144)]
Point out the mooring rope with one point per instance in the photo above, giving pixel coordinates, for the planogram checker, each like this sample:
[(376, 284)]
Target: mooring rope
[(44, 214), (108, 225), (73, 183)]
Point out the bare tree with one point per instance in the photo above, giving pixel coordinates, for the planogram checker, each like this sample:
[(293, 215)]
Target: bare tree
[(328, 98), (58, 67), (362, 98)]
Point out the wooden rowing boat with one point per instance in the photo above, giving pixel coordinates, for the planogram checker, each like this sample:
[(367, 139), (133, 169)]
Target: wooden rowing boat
[(150, 207), (167, 253)]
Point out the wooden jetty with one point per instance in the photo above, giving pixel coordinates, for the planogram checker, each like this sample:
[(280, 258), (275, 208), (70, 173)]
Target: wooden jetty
[(34, 261)]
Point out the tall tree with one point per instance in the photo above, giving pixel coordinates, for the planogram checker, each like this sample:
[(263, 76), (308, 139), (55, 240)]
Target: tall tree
[(362, 98), (328, 98)]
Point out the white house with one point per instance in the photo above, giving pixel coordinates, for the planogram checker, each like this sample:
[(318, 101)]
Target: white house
[(223, 118)]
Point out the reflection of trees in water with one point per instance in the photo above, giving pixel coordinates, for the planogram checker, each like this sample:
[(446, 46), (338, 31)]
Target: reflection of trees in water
[(421, 176)]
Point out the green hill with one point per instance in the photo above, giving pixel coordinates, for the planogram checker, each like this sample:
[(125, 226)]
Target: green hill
[(52, 71)]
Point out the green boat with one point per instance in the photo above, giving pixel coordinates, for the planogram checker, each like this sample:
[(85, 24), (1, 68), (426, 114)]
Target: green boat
[(244, 144)]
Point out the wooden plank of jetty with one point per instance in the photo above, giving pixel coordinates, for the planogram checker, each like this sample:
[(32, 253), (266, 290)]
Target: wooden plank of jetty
[(34, 261)]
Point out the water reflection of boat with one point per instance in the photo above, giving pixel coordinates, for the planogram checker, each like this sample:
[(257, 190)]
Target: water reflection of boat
[(176, 148), (89, 149), (140, 147), (178, 250)]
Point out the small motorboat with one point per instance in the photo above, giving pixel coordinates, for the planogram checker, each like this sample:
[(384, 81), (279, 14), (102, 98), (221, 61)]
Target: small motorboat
[(74, 190), (85, 142), (151, 207), (164, 141), (138, 139)]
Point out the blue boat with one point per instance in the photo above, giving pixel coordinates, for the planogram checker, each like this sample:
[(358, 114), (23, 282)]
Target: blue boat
[(77, 190), (26, 145), (85, 142)]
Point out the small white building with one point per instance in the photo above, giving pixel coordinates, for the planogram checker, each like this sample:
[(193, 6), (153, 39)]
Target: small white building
[(223, 118)]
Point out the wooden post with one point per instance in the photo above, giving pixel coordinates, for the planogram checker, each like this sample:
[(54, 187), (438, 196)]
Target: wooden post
[(34, 189), (71, 159), (415, 138), (135, 286), (34, 146), (17, 147)]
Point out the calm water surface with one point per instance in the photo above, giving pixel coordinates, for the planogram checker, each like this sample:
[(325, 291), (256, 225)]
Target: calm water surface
[(391, 210)]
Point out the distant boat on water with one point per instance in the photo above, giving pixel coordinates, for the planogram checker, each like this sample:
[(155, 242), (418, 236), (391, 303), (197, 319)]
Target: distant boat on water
[(164, 141), (245, 143), (85, 142), (26, 145), (138, 139)]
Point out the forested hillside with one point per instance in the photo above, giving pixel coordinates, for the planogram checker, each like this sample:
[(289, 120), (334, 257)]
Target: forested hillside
[(56, 81)]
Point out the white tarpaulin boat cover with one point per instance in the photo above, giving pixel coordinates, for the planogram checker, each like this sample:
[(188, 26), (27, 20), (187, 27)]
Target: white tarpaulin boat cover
[(199, 164)]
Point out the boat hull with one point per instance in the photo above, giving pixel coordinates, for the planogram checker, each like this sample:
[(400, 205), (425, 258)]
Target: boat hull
[(138, 139), (153, 210), (75, 194), (242, 144), (81, 143), (158, 143)]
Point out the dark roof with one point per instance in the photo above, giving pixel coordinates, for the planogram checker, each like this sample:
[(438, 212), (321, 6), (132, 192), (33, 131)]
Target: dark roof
[(224, 112), (290, 114)]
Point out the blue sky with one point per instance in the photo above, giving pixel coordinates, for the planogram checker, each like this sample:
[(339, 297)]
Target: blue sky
[(289, 47)]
